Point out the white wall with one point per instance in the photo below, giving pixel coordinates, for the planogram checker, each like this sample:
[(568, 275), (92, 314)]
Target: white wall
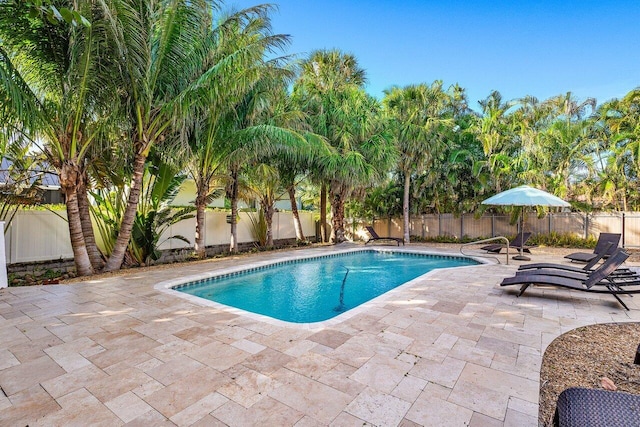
[(43, 235)]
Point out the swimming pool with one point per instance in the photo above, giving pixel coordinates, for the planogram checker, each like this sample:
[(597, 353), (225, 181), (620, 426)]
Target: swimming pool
[(317, 289)]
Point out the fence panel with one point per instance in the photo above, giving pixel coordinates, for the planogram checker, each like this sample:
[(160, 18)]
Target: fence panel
[(475, 228), (569, 222), (631, 233), (43, 235), (38, 236)]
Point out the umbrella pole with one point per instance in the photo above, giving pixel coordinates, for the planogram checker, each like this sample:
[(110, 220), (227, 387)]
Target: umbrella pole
[(520, 256)]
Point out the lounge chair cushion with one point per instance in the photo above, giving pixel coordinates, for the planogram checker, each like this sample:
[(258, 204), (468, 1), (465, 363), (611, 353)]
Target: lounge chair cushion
[(580, 407)]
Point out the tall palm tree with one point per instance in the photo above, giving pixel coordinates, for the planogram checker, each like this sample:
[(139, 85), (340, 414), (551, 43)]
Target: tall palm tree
[(56, 87), (417, 115), (242, 42), (324, 75), (495, 131), (165, 48), (329, 90), (362, 153)]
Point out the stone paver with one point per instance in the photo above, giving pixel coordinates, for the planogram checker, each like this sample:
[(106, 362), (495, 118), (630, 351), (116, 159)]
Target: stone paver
[(451, 348)]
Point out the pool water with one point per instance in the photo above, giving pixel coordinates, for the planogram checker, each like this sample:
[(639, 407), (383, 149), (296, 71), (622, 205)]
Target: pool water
[(317, 289)]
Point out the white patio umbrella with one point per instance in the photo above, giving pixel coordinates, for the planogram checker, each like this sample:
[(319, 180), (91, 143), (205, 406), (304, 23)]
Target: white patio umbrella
[(525, 196)]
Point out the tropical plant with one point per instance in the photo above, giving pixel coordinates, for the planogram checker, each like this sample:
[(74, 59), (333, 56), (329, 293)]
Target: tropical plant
[(57, 91), (238, 44), (330, 92), (418, 115), (259, 228)]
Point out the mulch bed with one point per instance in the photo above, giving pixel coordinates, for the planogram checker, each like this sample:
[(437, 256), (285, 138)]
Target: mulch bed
[(583, 356)]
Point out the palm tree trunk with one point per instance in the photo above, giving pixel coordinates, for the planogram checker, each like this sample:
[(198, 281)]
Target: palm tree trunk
[(405, 206), (268, 218), (68, 184), (323, 213), (337, 220), (233, 196), (95, 256), (201, 205), (296, 216), (124, 234)]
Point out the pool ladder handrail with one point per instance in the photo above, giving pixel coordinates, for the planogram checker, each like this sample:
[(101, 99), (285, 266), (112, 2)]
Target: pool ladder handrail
[(490, 239)]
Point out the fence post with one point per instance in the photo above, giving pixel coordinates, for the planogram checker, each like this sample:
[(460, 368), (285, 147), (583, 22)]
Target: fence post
[(461, 226), (423, 228), (586, 225), (623, 228), (3, 260), (439, 225), (493, 225), (550, 222)]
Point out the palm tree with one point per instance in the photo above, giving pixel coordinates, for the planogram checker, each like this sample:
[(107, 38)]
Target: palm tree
[(621, 119), (57, 91), (329, 90), (362, 152), (166, 49), (495, 131), (417, 114), (241, 45), (323, 76)]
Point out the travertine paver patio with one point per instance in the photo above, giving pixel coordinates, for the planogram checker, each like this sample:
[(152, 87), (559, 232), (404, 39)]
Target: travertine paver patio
[(453, 348)]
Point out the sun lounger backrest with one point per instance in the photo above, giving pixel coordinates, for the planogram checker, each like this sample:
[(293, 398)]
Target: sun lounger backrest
[(372, 232), (608, 267), (520, 239), (603, 243), (588, 266)]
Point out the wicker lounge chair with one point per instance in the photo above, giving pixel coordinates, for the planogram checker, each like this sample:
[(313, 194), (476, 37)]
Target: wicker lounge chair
[(517, 243), (601, 247), (375, 236), (607, 284), (579, 407)]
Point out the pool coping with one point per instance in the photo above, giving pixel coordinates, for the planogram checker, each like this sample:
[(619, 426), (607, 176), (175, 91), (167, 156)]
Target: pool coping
[(168, 286)]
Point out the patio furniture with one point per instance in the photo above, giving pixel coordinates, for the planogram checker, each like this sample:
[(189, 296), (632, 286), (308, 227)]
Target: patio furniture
[(602, 246), (586, 269), (579, 407), (518, 243), (601, 276), (375, 236)]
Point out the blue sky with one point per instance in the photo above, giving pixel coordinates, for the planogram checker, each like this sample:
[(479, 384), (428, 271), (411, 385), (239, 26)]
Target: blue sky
[(541, 48)]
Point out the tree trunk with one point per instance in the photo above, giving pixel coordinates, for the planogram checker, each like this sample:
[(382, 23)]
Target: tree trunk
[(268, 218), (124, 234), (323, 213), (201, 205), (68, 184), (337, 220), (296, 216), (233, 196), (95, 256), (405, 206)]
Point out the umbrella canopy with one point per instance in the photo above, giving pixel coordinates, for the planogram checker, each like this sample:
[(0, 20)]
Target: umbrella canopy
[(525, 196)]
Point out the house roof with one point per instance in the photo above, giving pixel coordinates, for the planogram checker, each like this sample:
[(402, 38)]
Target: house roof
[(49, 179)]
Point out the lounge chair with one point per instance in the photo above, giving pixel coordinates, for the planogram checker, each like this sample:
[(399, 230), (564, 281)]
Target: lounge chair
[(374, 237), (601, 276), (578, 407), (588, 267), (517, 243), (602, 246)]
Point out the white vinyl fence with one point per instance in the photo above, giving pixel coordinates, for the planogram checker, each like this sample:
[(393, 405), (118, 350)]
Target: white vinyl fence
[(43, 235)]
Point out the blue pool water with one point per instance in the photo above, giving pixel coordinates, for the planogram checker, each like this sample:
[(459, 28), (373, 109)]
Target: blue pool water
[(312, 290)]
